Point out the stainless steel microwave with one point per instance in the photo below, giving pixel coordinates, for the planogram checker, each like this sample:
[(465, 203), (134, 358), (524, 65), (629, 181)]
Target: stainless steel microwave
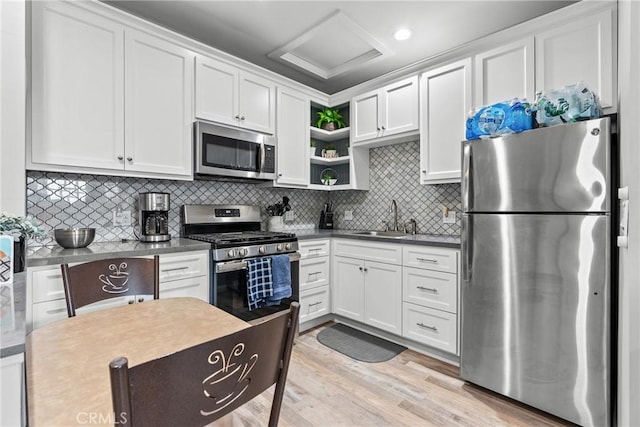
[(226, 151)]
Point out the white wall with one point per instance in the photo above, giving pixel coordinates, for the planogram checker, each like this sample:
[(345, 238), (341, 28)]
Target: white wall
[(12, 107), (629, 119)]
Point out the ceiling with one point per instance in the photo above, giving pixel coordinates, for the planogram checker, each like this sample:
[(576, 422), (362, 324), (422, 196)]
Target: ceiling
[(333, 45)]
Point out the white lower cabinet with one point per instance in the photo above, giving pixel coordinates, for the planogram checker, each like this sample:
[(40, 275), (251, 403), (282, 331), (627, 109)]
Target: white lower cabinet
[(430, 296), (315, 293), (12, 391), (368, 291), (436, 328), (184, 274)]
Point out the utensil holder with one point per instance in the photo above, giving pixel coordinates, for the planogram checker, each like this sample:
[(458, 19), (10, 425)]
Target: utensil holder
[(275, 223)]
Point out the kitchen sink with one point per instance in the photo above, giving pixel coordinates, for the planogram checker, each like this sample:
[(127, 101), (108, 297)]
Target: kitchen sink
[(388, 234)]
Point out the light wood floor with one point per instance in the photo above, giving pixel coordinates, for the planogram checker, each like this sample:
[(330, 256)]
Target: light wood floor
[(327, 388)]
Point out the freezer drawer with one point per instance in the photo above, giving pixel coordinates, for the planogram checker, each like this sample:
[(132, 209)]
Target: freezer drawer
[(556, 169), (535, 311)]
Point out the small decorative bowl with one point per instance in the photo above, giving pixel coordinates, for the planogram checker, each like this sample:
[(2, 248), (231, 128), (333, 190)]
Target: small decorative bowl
[(72, 238)]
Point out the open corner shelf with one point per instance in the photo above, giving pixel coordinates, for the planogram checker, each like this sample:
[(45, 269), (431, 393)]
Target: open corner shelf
[(326, 135), (317, 160)]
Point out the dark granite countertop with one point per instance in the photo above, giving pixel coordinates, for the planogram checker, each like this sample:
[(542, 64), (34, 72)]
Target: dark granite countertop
[(52, 255), (412, 239)]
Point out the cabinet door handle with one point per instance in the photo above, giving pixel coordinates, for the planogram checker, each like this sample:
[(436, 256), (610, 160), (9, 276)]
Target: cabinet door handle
[(382, 127), (131, 301), (366, 269), (242, 118), (431, 328), (120, 157), (165, 270), (237, 117), (360, 268), (433, 261), (141, 299), (422, 288), (130, 159)]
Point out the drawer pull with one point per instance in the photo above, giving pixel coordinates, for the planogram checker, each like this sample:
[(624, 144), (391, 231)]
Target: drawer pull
[(315, 249), (315, 303), (166, 270), (422, 288), (433, 261), (431, 328), (315, 272), (56, 311)]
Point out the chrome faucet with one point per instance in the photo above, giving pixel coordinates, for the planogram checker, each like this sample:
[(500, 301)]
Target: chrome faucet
[(394, 208)]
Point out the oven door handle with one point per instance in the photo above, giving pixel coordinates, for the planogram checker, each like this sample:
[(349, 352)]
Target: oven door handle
[(261, 158), (225, 267)]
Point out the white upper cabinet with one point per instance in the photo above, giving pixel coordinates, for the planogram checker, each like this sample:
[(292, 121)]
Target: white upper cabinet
[(504, 73), (445, 100), (582, 49), (107, 99), (77, 88), (225, 94), (293, 138), (385, 112), (158, 105)]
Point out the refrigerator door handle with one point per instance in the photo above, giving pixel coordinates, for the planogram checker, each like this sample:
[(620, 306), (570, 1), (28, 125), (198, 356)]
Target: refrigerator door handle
[(467, 249)]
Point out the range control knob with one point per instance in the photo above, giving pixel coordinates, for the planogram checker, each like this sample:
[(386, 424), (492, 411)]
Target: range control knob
[(231, 253), (280, 247), (243, 252), (287, 246), (262, 249)]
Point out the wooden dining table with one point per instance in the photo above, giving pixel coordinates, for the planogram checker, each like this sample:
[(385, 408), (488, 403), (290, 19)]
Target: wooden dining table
[(67, 362)]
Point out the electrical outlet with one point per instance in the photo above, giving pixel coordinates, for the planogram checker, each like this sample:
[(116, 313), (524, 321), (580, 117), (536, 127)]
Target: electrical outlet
[(449, 217), (348, 215), (121, 218), (289, 216)]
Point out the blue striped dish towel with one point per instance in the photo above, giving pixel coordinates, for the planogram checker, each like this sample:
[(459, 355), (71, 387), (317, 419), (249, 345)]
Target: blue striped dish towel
[(281, 270), (259, 282)]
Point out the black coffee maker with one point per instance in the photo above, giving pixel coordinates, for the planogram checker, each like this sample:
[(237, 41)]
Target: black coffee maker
[(154, 217), (326, 217)]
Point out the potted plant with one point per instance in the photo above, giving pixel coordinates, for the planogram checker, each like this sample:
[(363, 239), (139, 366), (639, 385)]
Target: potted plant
[(21, 229), (328, 177), (330, 119), (313, 147)]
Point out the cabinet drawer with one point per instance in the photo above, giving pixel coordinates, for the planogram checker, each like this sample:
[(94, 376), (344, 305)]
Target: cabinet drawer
[(430, 288), (389, 253), (431, 327), (47, 285), (195, 287), (314, 303), (313, 248), (48, 312), (431, 258), (314, 272), (183, 265)]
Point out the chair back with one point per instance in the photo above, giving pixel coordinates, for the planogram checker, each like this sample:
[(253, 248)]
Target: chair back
[(200, 384), (109, 278)]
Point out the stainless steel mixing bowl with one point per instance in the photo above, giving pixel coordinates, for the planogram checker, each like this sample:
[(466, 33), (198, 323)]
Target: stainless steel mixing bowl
[(72, 238)]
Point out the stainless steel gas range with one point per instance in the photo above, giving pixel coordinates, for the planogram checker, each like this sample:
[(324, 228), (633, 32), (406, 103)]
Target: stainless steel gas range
[(235, 237)]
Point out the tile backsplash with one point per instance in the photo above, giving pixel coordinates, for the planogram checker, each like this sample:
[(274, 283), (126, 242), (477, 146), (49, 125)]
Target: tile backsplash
[(61, 200), (394, 174)]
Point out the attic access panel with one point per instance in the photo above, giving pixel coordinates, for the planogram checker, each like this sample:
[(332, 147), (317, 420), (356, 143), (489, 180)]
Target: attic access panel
[(332, 47)]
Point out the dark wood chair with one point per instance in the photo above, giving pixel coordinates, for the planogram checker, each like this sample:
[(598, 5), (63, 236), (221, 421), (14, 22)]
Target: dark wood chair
[(109, 278), (200, 384)]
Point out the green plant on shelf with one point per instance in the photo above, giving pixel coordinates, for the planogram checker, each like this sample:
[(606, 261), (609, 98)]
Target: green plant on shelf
[(328, 177), (330, 119), (313, 143), (329, 147)]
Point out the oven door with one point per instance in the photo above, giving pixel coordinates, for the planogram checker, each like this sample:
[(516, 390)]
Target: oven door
[(229, 289)]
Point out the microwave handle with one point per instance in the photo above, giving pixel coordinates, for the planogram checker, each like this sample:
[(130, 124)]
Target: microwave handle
[(261, 158)]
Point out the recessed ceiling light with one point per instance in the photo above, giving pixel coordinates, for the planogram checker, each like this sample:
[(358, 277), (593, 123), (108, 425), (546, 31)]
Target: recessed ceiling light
[(402, 34)]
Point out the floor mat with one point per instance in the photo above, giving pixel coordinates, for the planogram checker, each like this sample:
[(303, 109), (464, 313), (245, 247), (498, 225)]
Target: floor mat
[(358, 345)]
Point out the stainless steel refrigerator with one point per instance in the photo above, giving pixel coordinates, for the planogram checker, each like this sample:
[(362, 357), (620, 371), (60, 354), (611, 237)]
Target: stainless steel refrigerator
[(536, 268)]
